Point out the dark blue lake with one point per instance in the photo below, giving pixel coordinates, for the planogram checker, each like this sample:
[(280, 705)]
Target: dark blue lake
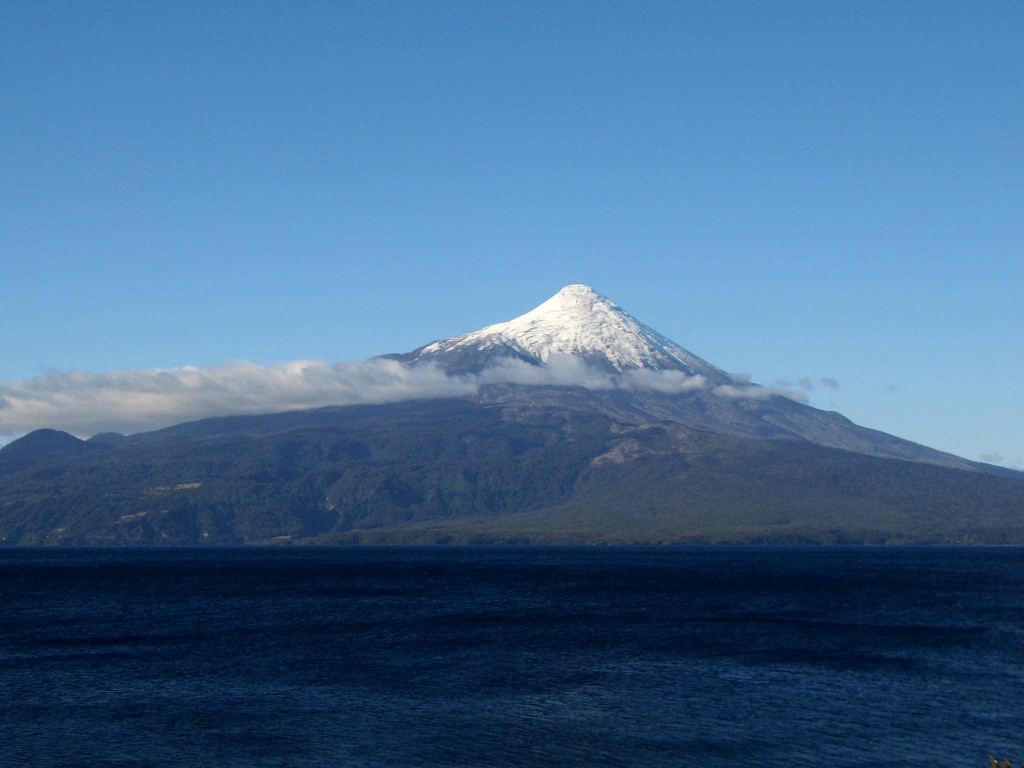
[(511, 657)]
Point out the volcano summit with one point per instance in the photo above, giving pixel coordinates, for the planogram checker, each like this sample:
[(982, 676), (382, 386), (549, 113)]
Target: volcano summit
[(573, 423), (575, 322)]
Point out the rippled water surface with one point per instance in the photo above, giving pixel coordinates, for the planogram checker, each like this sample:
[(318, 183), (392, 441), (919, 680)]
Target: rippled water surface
[(511, 657)]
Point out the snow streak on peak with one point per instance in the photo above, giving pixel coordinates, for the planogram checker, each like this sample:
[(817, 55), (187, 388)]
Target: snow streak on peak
[(577, 321)]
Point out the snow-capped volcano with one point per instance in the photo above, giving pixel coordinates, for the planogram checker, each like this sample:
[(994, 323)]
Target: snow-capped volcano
[(643, 376), (576, 321)]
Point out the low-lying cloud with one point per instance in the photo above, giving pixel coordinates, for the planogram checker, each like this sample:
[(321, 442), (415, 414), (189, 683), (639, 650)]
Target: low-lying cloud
[(1002, 461), (567, 370), (133, 401), (753, 392), (807, 384)]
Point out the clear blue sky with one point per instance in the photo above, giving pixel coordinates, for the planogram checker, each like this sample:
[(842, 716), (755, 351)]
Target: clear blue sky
[(791, 190)]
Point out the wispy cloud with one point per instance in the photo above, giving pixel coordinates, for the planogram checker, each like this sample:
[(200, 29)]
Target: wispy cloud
[(754, 392), (806, 383), (130, 401), (560, 370), (133, 401), (999, 459), (567, 370)]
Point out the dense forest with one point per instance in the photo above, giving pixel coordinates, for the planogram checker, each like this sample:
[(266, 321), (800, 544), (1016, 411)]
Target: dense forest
[(457, 471)]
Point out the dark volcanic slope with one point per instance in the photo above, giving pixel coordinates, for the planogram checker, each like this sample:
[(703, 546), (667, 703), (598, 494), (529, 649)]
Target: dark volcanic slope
[(735, 490), (458, 471), (761, 418), (293, 476)]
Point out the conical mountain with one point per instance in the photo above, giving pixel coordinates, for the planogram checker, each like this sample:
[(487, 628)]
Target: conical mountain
[(643, 376), (578, 322), (573, 423)]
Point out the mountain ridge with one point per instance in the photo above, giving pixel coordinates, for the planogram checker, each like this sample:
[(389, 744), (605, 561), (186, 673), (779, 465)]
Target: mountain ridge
[(458, 471), (586, 427)]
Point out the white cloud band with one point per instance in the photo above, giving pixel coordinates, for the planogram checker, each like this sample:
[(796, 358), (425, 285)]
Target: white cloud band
[(133, 401)]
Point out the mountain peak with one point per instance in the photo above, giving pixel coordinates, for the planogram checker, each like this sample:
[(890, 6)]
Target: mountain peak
[(577, 321), (39, 445), (579, 291), (574, 311), (575, 299)]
